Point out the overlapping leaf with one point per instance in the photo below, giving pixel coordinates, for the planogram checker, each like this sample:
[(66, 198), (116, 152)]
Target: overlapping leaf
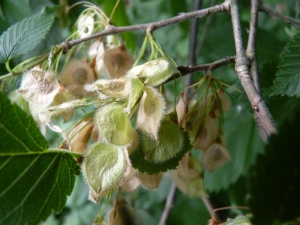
[(154, 156), (33, 180), (287, 81), (26, 35)]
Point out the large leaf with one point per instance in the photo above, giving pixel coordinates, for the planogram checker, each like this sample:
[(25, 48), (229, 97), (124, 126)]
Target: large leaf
[(243, 144), (34, 181), (287, 81), (154, 156), (275, 181), (26, 35)]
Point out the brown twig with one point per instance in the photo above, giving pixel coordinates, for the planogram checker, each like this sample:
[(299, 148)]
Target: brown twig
[(168, 205), (180, 18), (251, 54), (193, 42), (272, 12), (242, 70)]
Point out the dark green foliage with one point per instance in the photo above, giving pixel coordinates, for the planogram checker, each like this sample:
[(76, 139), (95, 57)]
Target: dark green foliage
[(275, 180), (287, 81), (33, 180)]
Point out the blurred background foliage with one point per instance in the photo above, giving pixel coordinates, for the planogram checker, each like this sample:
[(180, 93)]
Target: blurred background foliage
[(230, 184)]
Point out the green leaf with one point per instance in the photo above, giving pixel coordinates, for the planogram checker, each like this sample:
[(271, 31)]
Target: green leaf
[(26, 35), (243, 143), (113, 124), (287, 81), (120, 18), (104, 165), (154, 156), (275, 180), (33, 180)]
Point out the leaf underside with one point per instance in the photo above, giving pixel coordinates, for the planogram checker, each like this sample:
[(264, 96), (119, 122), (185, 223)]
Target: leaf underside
[(26, 35), (34, 181), (287, 81), (153, 157)]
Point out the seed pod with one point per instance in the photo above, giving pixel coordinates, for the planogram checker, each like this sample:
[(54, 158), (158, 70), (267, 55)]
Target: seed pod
[(117, 62), (39, 86), (208, 132), (154, 72), (80, 136), (150, 181), (85, 25), (122, 213), (96, 52), (215, 156), (75, 75), (220, 103)]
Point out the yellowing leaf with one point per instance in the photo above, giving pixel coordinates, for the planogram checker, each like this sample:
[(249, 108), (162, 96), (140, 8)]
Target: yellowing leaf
[(103, 166), (113, 124), (151, 111)]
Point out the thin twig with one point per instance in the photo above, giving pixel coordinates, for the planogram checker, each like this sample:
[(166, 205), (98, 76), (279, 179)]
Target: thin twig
[(116, 30), (242, 70), (193, 42), (184, 70), (272, 12), (208, 206), (251, 54), (168, 205)]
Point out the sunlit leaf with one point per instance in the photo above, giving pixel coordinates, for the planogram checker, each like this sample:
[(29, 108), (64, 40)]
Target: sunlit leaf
[(25, 35), (34, 181)]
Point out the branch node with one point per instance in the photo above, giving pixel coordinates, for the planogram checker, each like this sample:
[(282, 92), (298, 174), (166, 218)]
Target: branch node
[(65, 46)]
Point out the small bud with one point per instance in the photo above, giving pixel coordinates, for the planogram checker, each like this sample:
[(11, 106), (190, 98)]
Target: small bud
[(39, 86)]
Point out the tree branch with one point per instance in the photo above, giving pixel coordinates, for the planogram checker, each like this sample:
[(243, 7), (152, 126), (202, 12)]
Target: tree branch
[(168, 205), (272, 12), (251, 54), (242, 70), (116, 30)]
